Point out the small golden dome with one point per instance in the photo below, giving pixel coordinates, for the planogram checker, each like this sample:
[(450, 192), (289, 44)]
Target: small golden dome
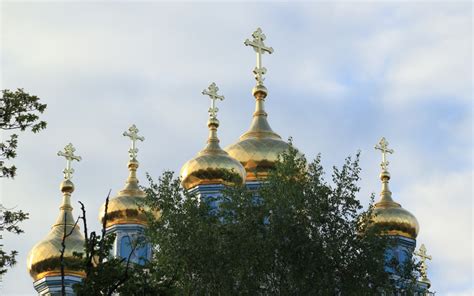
[(258, 149), (44, 258), (212, 165), (388, 214), (127, 207)]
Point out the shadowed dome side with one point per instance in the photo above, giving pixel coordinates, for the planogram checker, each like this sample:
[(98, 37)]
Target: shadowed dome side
[(44, 258)]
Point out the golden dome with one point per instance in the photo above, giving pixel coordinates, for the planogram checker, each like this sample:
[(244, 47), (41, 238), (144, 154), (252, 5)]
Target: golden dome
[(212, 165), (127, 207), (258, 149), (388, 214), (44, 258)]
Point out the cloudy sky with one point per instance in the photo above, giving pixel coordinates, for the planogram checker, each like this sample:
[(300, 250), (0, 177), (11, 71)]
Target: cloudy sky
[(342, 75)]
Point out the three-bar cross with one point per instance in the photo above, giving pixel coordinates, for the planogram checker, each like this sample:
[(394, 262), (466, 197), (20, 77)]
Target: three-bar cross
[(260, 48), (211, 91), (70, 157), (383, 146), (132, 133)]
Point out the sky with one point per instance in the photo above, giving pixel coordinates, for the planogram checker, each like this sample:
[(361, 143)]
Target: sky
[(343, 74)]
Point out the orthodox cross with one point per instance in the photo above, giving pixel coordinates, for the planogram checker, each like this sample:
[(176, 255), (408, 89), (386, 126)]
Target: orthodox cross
[(383, 146), (260, 48), (211, 91), (422, 254), (70, 157), (132, 133)]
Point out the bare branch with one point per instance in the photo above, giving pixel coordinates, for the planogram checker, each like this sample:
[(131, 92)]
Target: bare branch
[(63, 250), (104, 225)]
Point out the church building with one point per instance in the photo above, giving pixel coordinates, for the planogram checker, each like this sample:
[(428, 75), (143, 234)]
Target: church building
[(247, 161)]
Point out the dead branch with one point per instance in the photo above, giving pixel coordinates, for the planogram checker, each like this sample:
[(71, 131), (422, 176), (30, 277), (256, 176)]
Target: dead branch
[(63, 250)]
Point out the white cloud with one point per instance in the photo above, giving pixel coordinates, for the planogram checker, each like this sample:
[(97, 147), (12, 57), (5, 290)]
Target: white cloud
[(102, 66)]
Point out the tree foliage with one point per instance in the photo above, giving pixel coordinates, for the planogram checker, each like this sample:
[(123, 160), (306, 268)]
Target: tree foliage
[(9, 221), (297, 234), (18, 111)]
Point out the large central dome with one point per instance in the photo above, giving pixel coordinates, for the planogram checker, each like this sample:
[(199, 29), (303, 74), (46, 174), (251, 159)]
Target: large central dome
[(258, 148)]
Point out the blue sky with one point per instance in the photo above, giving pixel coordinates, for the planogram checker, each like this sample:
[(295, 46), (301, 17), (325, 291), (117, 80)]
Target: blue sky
[(342, 76)]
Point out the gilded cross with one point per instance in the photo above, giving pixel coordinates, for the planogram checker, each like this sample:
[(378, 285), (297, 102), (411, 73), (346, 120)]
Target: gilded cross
[(132, 133), (260, 48), (211, 91), (70, 157), (383, 146), (423, 256)]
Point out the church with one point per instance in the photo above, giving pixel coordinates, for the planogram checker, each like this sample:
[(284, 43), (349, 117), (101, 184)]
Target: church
[(257, 150)]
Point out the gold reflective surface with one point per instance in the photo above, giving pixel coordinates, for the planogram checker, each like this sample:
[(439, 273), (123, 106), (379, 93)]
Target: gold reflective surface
[(390, 215), (212, 165), (258, 149), (44, 258), (127, 207)]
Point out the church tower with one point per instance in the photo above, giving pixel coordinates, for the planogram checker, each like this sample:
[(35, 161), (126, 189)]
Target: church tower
[(258, 148), (213, 168), (46, 257), (125, 214), (398, 223)]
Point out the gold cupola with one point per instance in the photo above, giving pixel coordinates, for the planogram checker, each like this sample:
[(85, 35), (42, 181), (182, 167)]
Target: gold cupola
[(127, 207), (44, 259), (388, 214), (258, 148), (212, 165)]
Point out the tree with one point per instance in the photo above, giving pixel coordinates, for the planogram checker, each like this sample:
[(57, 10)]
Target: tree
[(109, 275), (9, 221), (296, 235), (18, 111)]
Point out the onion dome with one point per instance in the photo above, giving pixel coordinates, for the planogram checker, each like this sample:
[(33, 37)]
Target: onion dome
[(127, 207), (258, 149), (212, 165), (388, 214), (44, 258)]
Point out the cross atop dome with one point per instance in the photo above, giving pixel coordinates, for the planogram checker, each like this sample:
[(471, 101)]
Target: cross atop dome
[(211, 91), (260, 48), (132, 133), (423, 257), (70, 157), (383, 146)]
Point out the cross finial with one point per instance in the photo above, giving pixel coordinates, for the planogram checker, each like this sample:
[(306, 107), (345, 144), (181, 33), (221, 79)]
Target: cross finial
[(383, 146), (132, 133), (260, 48), (423, 257), (70, 157), (211, 91)]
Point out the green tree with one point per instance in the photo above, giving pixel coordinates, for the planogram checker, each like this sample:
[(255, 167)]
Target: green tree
[(18, 111), (9, 221), (296, 235), (109, 275)]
